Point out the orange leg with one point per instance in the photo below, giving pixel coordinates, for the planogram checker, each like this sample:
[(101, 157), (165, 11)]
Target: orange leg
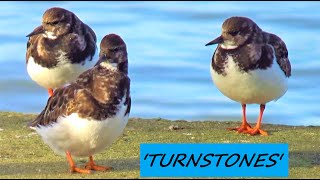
[(257, 130), (50, 91), (244, 126), (73, 167), (92, 166)]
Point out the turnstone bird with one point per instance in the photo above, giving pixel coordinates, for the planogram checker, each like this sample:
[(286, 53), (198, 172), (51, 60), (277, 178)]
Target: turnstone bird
[(249, 66), (60, 49), (88, 115)]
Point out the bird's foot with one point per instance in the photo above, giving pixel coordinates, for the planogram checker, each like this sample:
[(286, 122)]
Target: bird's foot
[(79, 170), (256, 131), (90, 166), (243, 128), (50, 91)]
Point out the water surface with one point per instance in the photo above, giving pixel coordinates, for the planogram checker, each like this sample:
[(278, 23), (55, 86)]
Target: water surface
[(168, 62)]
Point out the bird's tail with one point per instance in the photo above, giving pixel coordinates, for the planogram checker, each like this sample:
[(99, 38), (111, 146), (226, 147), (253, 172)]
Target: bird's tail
[(34, 123)]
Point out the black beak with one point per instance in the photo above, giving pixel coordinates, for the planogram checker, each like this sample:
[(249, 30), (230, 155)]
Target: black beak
[(100, 60), (36, 31), (218, 40)]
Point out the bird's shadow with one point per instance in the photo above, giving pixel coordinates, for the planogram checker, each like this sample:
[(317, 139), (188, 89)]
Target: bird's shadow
[(63, 166)]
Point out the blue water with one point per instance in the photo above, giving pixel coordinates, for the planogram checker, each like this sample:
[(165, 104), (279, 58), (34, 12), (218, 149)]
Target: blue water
[(168, 62)]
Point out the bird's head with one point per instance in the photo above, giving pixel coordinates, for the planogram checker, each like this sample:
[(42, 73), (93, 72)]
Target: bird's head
[(236, 31), (55, 22), (113, 51)]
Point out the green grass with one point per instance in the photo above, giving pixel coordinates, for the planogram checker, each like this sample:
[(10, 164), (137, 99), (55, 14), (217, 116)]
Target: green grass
[(24, 155)]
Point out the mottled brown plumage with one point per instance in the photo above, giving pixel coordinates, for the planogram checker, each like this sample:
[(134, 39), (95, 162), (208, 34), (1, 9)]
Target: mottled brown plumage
[(249, 66), (88, 115), (113, 46), (281, 52), (253, 47), (74, 39), (97, 93)]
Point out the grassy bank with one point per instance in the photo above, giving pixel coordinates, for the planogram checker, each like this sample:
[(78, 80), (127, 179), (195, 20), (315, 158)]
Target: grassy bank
[(24, 155)]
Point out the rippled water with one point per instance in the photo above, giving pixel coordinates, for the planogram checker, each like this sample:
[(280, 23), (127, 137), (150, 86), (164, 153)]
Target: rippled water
[(168, 62)]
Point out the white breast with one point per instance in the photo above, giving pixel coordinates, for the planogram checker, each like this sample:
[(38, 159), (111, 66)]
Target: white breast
[(83, 137), (63, 73), (254, 87), (49, 35)]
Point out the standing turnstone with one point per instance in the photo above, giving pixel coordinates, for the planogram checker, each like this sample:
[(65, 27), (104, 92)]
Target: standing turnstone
[(85, 117), (249, 66), (60, 49)]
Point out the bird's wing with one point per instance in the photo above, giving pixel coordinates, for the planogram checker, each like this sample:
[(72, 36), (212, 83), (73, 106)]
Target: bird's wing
[(110, 89), (91, 32), (85, 79), (86, 99), (58, 105), (281, 52), (30, 46)]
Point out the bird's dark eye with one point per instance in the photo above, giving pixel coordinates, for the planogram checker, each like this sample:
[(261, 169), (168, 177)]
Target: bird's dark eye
[(233, 33), (53, 23), (114, 49)]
